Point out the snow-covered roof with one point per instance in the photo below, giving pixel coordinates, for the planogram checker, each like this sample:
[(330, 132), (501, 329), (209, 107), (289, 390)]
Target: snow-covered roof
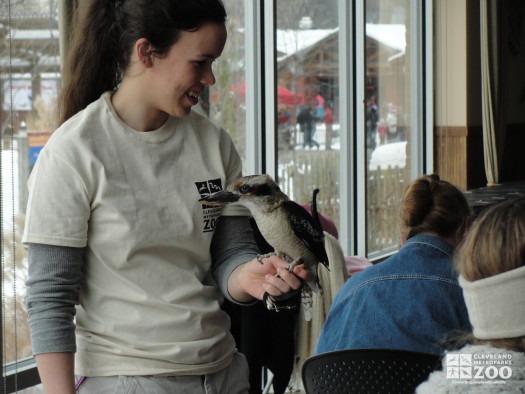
[(41, 39), (289, 42), (40, 34), (389, 35)]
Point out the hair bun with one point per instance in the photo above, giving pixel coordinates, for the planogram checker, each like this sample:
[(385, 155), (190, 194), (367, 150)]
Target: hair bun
[(432, 205)]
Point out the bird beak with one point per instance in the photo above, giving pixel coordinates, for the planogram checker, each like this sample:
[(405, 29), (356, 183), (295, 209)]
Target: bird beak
[(220, 198)]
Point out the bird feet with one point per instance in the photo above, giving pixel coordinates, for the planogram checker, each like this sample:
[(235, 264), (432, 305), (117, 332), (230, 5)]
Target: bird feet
[(283, 302), (286, 301), (260, 257), (293, 264)]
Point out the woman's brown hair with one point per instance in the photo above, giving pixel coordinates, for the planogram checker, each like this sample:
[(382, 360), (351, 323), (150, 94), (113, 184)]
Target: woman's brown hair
[(431, 205), (103, 42)]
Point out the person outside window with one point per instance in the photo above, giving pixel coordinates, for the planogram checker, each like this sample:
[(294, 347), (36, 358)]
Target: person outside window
[(306, 120), (329, 123)]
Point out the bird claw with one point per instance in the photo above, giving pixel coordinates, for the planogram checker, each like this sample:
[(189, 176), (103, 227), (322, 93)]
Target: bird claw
[(293, 264), (283, 302), (260, 257)]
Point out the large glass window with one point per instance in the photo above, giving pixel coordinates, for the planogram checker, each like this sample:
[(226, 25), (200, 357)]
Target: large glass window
[(388, 100), (30, 79), (307, 39), (227, 99)]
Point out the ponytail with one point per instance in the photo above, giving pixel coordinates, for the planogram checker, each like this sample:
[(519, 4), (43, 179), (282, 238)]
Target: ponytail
[(91, 66)]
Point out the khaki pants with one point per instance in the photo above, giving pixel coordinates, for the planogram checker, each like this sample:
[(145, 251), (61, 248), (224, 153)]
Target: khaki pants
[(232, 380)]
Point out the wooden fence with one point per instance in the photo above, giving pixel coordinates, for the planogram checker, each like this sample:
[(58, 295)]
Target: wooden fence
[(385, 188)]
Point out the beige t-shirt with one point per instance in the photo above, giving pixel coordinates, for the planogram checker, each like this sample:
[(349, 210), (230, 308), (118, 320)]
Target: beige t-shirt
[(148, 304)]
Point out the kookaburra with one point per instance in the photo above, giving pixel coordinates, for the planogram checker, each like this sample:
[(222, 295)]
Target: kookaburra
[(285, 225)]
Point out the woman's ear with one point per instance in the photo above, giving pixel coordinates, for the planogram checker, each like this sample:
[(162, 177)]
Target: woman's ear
[(143, 50)]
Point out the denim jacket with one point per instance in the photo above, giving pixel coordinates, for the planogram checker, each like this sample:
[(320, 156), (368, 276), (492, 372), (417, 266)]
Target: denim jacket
[(410, 301)]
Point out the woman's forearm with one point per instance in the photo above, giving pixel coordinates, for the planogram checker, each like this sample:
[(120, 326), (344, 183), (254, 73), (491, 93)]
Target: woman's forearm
[(56, 371)]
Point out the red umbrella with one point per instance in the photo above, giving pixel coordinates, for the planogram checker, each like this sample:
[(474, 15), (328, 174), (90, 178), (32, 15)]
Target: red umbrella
[(284, 96), (287, 97)]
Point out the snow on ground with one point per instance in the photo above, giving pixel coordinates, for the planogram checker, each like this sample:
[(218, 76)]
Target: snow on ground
[(392, 154)]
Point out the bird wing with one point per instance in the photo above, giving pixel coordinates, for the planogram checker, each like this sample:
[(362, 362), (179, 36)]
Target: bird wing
[(306, 230)]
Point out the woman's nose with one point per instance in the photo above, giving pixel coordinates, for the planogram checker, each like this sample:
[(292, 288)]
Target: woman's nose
[(208, 78)]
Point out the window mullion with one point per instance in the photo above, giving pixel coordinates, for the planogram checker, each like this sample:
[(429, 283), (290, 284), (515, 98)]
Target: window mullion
[(269, 84), (254, 102)]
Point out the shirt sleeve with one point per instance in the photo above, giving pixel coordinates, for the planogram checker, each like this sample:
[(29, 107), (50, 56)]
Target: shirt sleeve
[(55, 274), (56, 185), (232, 245)]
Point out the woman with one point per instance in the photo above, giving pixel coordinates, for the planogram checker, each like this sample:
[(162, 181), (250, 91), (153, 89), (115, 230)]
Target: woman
[(412, 300), (491, 263), (113, 220)]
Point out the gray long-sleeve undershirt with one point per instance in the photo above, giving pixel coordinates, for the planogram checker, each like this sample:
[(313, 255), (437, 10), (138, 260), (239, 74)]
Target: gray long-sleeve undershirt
[(55, 275)]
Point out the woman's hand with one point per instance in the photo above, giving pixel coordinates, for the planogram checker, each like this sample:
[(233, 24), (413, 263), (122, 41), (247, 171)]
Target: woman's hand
[(252, 279)]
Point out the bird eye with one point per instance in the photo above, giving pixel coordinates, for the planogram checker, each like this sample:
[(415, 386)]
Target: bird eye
[(244, 189)]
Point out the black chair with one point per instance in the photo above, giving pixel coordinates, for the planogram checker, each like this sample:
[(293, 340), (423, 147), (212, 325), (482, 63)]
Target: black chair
[(373, 371)]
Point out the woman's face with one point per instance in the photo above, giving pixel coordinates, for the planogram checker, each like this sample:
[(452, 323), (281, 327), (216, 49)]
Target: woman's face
[(178, 78)]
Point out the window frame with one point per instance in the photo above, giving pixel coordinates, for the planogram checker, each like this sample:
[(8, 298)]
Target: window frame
[(20, 375), (421, 132), (349, 208), (255, 118)]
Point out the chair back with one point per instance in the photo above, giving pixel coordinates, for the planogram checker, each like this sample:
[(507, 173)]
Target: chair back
[(367, 371)]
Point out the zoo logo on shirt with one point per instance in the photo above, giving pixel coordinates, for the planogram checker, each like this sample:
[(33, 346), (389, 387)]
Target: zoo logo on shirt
[(210, 213), (478, 368)]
